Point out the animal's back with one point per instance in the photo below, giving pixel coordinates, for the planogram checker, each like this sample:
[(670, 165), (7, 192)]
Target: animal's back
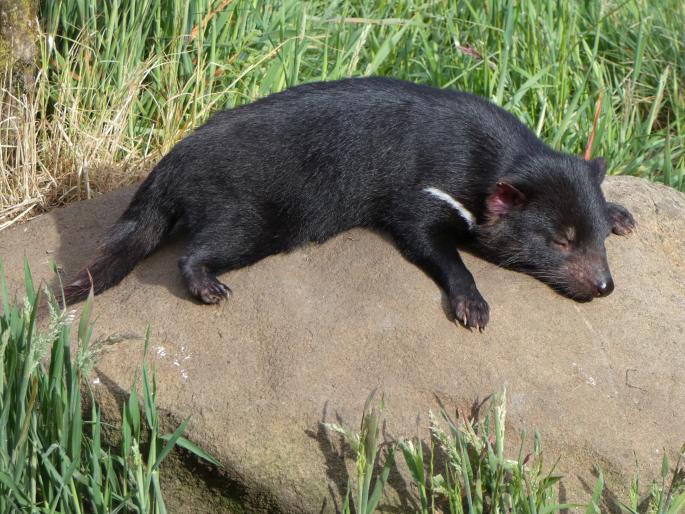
[(307, 152)]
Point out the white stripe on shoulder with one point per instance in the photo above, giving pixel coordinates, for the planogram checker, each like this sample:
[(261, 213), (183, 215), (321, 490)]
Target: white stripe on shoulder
[(454, 203)]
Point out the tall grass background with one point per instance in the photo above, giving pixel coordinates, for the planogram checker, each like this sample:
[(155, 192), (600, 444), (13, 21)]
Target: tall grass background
[(119, 82)]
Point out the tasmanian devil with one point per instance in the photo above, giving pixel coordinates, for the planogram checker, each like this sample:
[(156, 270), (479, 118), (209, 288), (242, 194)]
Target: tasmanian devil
[(435, 169)]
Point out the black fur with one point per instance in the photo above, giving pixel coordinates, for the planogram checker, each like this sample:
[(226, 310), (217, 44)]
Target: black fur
[(307, 163)]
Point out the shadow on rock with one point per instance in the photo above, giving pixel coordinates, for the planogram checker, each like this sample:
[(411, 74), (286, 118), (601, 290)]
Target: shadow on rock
[(334, 456), (339, 479), (609, 501), (82, 227), (191, 485)]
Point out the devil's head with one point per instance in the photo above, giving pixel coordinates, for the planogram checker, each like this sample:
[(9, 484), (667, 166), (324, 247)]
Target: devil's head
[(547, 217)]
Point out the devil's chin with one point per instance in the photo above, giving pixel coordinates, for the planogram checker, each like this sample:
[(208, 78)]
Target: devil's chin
[(578, 296)]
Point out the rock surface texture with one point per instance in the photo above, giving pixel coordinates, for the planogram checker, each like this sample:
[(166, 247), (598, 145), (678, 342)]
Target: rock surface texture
[(307, 335)]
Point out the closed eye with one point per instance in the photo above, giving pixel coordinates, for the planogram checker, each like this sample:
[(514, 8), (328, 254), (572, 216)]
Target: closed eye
[(565, 240), (562, 244)]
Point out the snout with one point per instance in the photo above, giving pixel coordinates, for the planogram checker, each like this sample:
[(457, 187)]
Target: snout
[(604, 286), (589, 278)]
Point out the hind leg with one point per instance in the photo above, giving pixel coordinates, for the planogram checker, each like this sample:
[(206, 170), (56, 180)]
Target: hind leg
[(219, 248), (201, 282)]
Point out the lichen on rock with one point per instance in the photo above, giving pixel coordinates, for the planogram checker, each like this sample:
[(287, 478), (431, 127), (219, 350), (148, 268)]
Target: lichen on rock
[(18, 36)]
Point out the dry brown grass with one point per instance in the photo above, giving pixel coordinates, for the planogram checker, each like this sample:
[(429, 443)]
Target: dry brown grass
[(70, 156)]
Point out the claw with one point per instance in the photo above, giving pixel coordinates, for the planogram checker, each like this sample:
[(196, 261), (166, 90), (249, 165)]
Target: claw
[(471, 310), (209, 290)]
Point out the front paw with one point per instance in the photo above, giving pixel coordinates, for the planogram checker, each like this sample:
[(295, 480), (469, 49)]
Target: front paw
[(209, 290), (622, 222), (471, 310)]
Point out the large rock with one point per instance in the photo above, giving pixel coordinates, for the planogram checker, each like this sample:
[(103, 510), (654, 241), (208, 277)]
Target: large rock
[(307, 335)]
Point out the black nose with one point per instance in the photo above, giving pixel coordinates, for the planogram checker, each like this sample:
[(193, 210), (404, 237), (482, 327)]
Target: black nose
[(604, 286)]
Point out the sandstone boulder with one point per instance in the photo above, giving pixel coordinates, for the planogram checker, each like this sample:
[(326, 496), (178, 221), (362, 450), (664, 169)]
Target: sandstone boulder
[(307, 335)]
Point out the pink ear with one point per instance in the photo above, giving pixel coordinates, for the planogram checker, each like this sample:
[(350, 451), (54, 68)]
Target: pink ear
[(504, 198)]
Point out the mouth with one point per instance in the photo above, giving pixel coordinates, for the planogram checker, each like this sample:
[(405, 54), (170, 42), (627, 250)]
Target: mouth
[(568, 285), (581, 287), (581, 297), (578, 295), (584, 291)]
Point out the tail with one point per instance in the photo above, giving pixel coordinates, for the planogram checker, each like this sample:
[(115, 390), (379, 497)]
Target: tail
[(135, 235)]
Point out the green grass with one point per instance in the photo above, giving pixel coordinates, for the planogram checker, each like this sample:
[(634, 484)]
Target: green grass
[(463, 469), (53, 456), (120, 83)]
